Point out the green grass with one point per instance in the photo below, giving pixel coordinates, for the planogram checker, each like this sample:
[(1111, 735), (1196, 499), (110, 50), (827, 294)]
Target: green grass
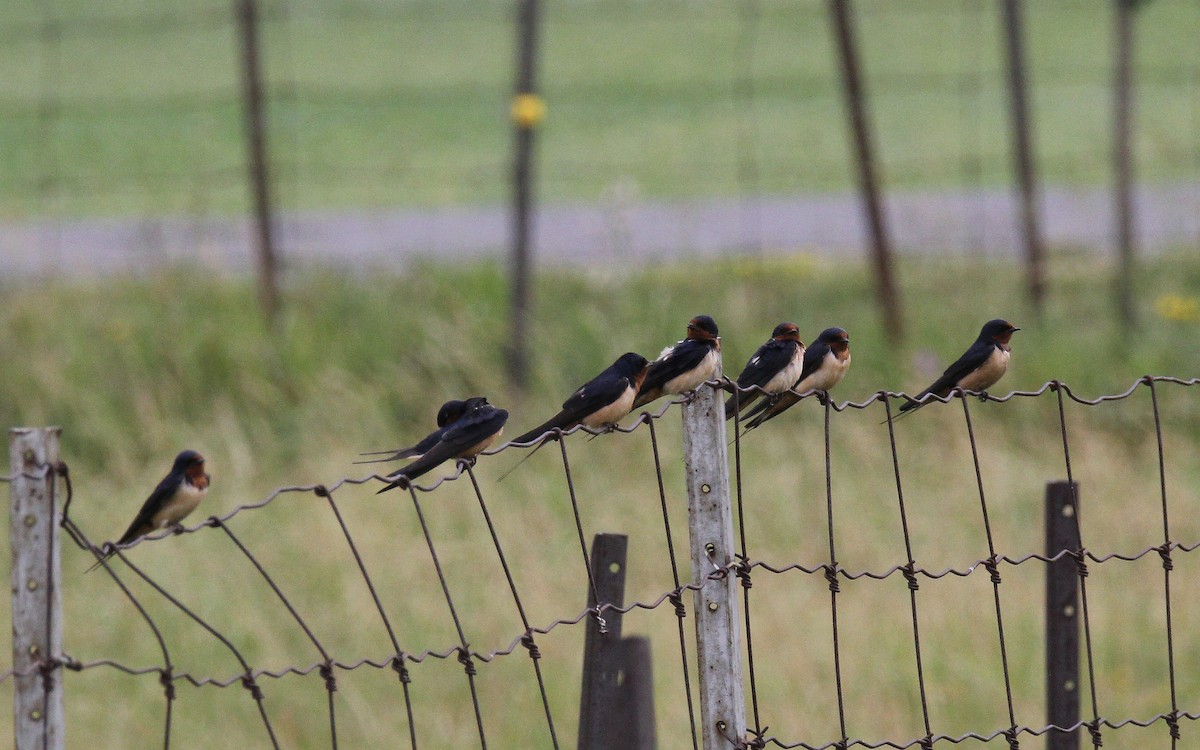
[(135, 370), (408, 105)]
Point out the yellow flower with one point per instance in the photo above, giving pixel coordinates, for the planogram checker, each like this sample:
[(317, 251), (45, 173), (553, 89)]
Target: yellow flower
[(528, 110), (1177, 307)]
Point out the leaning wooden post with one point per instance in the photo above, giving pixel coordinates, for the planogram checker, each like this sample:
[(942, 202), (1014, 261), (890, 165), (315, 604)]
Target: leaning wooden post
[(36, 596), (710, 528)]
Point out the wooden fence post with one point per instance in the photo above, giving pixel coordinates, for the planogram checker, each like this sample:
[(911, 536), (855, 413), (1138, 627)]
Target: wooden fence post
[(1062, 615), (710, 529), (256, 155), (36, 596)]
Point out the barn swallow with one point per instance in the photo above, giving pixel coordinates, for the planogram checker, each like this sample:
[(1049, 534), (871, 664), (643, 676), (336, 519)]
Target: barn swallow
[(176, 496), (601, 401), (978, 368), (825, 364), (773, 368), (447, 415), (465, 437), (684, 365)]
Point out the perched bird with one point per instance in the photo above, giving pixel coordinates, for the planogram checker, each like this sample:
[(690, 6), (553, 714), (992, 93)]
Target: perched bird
[(176, 496), (601, 401), (978, 368), (684, 365), (825, 364), (773, 368), (465, 437), (447, 415)]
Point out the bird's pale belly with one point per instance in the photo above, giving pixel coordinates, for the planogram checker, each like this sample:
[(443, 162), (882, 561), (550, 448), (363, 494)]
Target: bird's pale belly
[(786, 377), (690, 381), (830, 373), (179, 507), (482, 445), (613, 412), (988, 373)]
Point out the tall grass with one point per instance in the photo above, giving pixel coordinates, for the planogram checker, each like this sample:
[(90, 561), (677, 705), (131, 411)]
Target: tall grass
[(137, 369)]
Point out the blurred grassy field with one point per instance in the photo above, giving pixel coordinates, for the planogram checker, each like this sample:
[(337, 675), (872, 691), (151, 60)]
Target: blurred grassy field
[(136, 369), (134, 107)]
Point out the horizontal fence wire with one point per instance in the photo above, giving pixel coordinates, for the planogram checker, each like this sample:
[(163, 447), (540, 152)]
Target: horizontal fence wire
[(121, 569)]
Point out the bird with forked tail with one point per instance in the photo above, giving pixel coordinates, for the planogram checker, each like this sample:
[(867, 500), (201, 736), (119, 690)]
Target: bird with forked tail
[(775, 366), (979, 368), (464, 438), (173, 499), (684, 365), (825, 364), (601, 401)]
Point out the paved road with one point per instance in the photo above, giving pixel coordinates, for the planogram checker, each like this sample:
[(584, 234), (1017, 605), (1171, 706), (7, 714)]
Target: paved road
[(980, 222)]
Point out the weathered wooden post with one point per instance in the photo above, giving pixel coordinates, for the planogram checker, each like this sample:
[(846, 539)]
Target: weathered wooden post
[(710, 529), (36, 596)]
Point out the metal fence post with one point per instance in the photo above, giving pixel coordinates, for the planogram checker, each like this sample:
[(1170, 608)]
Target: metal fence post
[(710, 529), (1062, 615), (36, 597), (617, 700)]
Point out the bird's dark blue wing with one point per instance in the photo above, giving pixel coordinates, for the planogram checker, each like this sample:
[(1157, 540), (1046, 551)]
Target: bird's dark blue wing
[(964, 365), (682, 357), (460, 438), (766, 363), (163, 492)]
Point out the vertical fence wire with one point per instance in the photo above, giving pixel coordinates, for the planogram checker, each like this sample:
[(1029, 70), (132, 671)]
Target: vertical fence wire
[(994, 572), (326, 661), (248, 681), (527, 640), (831, 573), (908, 570), (398, 658), (1079, 556), (464, 651), (1168, 565), (743, 573), (676, 596)]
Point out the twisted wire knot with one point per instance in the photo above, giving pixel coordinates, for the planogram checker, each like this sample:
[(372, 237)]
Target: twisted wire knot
[(676, 600), (992, 569), (255, 691), (1011, 736), (168, 682), (1080, 563), (1094, 730), (742, 569), (1164, 551), (327, 675), (401, 669), (528, 642), (321, 491), (831, 577), (46, 670), (1173, 724), (464, 659), (910, 575)]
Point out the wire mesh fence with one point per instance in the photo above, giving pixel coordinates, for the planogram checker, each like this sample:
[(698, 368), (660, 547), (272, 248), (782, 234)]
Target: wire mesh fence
[(891, 575), (390, 120)]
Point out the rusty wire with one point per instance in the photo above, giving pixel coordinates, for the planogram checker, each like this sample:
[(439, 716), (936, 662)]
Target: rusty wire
[(912, 572)]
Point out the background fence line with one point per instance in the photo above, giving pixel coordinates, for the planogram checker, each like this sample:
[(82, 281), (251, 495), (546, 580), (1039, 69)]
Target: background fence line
[(718, 572)]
